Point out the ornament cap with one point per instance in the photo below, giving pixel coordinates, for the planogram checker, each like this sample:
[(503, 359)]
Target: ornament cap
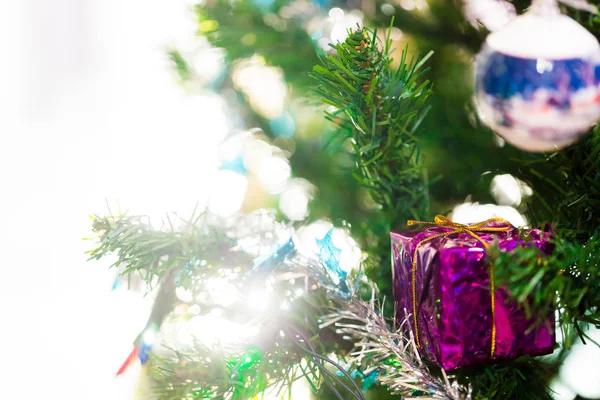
[(545, 36), (545, 7)]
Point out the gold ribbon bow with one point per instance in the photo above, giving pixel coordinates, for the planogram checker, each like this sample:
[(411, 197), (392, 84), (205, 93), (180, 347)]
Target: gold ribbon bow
[(445, 222)]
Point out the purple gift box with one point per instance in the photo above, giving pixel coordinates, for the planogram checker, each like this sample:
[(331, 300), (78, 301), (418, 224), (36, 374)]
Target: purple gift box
[(458, 323)]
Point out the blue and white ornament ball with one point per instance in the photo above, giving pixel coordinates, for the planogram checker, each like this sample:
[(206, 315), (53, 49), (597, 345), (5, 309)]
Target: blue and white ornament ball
[(538, 80)]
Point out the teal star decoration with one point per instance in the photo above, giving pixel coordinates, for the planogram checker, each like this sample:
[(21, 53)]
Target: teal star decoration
[(369, 380), (236, 165), (330, 255), (288, 249)]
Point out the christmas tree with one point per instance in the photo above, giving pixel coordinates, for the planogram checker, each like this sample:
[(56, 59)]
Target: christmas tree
[(354, 120)]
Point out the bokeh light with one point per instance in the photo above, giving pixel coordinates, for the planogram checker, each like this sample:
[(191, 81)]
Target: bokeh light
[(295, 199), (264, 86), (509, 191), (579, 372), (255, 151), (408, 5), (228, 194), (183, 294), (273, 173), (561, 391), (208, 63), (219, 291), (221, 332), (471, 213), (259, 299), (342, 22), (492, 14)]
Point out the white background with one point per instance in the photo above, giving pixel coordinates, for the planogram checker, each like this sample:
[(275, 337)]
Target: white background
[(89, 112)]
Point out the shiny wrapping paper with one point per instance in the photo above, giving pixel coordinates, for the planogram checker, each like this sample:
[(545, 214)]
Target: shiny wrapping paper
[(454, 307)]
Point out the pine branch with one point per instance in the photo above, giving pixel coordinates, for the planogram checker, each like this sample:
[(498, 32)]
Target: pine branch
[(521, 379), (380, 110), (151, 253), (181, 66)]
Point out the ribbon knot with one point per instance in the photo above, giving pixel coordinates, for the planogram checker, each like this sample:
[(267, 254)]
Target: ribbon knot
[(480, 227), (445, 222)]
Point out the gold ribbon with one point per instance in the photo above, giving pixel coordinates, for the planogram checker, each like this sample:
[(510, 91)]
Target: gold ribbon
[(445, 222)]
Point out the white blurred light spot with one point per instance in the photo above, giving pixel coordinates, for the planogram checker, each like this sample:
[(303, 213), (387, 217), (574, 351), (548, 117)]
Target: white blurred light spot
[(339, 32), (180, 332), (265, 86), (336, 13), (273, 173), (324, 43), (493, 14), (184, 294), (505, 190), (560, 391), (351, 255), (255, 152), (183, 35), (259, 300), (228, 195), (194, 309), (192, 107), (149, 336), (396, 33), (509, 191), (422, 5), (273, 20), (221, 291), (294, 201), (213, 330), (232, 147), (470, 213), (580, 369), (209, 63), (388, 9), (544, 66), (408, 5)]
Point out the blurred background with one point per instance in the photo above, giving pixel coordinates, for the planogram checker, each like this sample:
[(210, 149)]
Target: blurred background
[(90, 113), (159, 108)]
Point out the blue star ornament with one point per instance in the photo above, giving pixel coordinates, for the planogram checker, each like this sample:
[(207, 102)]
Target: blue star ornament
[(370, 380), (330, 255), (288, 249)]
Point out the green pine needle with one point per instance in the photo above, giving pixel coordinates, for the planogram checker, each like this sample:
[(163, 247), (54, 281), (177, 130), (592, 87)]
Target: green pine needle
[(380, 109)]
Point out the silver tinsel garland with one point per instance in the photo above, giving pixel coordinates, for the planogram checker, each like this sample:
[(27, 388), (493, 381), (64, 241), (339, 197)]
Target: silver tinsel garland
[(389, 352)]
